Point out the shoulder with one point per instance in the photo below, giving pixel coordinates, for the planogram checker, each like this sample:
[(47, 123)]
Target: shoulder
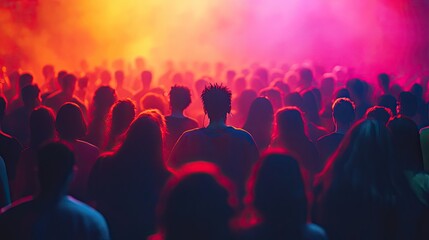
[(314, 232), (82, 209)]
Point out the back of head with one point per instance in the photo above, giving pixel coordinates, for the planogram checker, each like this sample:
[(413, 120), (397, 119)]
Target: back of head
[(25, 79), (123, 113), (261, 113), (389, 102), (119, 77), (406, 140), (180, 97), (306, 77), (357, 88), (343, 111), (310, 106), (407, 104), (42, 126), (417, 90), (153, 101), (104, 98), (384, 80), (30, 95), (68, 83), (195, 204), (293, 99), (2, 107), (342, 93), (379, 113), (274, 95), (217, 101), (146, 78), (70, 123), (55, 167), (290, 124), (278, 190)]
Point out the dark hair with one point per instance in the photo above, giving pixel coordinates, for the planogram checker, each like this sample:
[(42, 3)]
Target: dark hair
[(290, 125), (293, 99), (408, 104), (310, 107), (104, 98), (121, 116), (216, 100), (153, 101), (379, 113), (389, 102), (68, 82), (259, 121), (42, 126), (384, 80), (180, 97), (70, 123), (146, 78), (306, 75), (3, 104), (274, 95), (196, 204), (406, 142), (30, 94), (25, 79), (276, 189), (343, 110), (55, 165)]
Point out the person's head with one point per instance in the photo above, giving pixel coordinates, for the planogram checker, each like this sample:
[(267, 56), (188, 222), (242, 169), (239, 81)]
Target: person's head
[(388, 101), (406, 142), (82, 83), (384, 81), (407, 104), (289, 124), (55, 168), (276, 190), (274, 95), (196, 204), (306, 77), (310, 107), (343, 112), (358, 89), (153, 101), (327, 85), (180, 98), (3, 104), (342, 93), (25, 79), (30, 96), (216, 101), (119, 77), (261, 112), (105, 78), (146, 79), (42, 126), (293, 99), (68, 83), (417, 90), (70, 123), (379, 113), (48, 71), (122, 114), (364, 160), (144, 138), (104, 98)]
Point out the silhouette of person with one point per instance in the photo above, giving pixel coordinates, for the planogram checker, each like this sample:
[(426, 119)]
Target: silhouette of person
[(10, 148), (42, 130), (49, 76), (197, 203), (71, 127), (126, 184), (53, 214), (177, 122), (358, 192), (153, 101), (122, 114), (233, 150), (311, 114), (388, 101), (4, 186), (66, 94), (25, 79), (343, 114), (259, 122), (17, 121), (277, 194), (359, 95), (123, 93), (381, 114), (104, 98)]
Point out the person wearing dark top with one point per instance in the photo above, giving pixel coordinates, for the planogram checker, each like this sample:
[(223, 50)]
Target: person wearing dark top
[(53, 214), (259, 122), (4, 185), (276, 193), (10, 148), (120, 117), (343, 115), (126, 184), (233, 150), (197, 203), (177, 122), (358, 194), (381, 114)]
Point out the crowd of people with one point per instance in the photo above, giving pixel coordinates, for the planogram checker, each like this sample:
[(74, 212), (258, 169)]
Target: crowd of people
[(264, 153)]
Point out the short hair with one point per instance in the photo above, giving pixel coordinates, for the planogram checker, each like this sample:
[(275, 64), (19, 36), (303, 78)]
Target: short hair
[(25, 79), (70, 123), (384, 79), (408, 104), (68, 81), (2, 107), (30, 93), (153, 101), (216, 100), (55, 165), (306, 75), (379, 113), (146, 78), (343, 110), (180, 97)]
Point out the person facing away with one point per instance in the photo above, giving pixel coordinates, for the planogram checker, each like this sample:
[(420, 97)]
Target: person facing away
[(25, 79), (232, 149), (122, 114), (177, 122), (4, 185), (276, 193), (343, 115), (123, 93), (358, 194), (126, 183), (52, 214), (66, 94), (42, 130), (10, 148), (71, 127), (381, 114), (146, 80), (259, 122), (196, 203)]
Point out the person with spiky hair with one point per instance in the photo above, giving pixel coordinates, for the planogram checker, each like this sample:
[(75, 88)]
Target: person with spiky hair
[(232, 149)]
